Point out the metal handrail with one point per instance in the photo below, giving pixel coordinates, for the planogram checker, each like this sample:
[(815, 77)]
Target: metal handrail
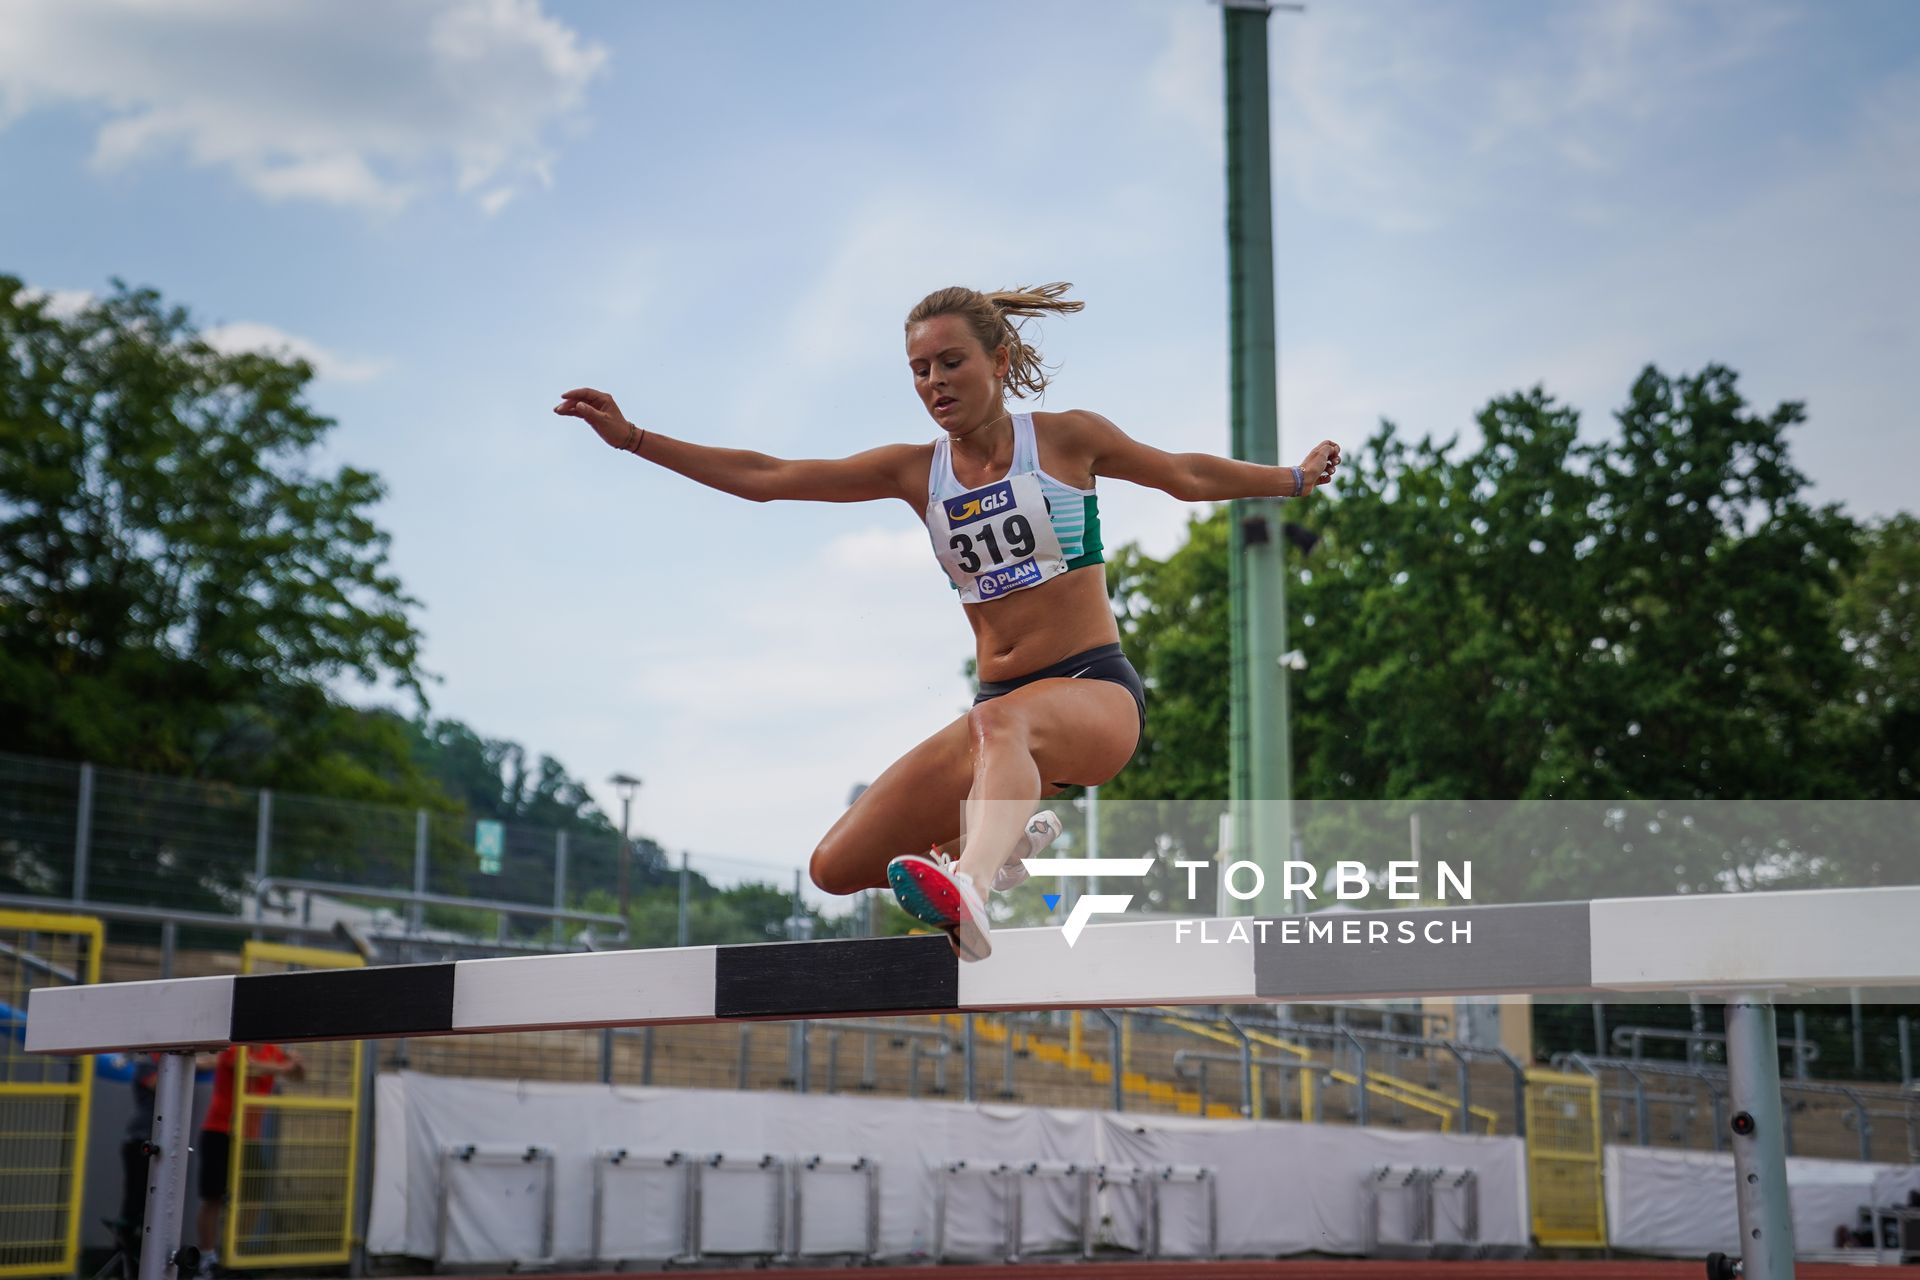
[(270, 884), (1632, 1038), (1194, 1020), (1714, 1078), (1182, 1057)]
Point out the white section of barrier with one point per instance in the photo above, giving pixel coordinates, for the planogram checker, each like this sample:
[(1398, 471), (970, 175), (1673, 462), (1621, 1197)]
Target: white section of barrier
[(607, 988)]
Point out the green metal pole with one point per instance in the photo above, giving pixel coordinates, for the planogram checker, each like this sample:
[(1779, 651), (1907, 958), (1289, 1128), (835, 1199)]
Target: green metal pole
[(1261, 768)]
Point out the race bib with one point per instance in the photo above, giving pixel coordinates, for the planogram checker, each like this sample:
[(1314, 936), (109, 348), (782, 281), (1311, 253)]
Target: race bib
[(996, 539)]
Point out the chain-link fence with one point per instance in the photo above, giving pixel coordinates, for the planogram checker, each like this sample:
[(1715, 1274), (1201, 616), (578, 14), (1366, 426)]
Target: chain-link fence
[(83, 833)]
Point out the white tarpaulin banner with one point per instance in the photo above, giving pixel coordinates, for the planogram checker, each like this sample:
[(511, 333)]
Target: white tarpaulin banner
[(1283, 1187), (1682, 1202)]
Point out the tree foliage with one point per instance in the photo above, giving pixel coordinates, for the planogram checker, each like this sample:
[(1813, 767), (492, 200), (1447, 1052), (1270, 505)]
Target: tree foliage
[(1659, 613), (178, 582)]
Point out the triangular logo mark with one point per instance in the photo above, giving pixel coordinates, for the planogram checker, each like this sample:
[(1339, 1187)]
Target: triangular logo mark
[(1052, 900)]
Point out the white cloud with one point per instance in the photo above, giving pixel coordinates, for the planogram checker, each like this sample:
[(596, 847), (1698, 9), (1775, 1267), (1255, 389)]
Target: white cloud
[(62, 304), (368, 108), (251, 336), (1395, 113), (244, 335)]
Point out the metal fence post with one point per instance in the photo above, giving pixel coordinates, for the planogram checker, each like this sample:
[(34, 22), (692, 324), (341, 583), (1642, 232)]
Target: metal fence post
[(1519, 1093), (559, 885), (416, 913), (1115, 1053), (797, 1056), (83, 834), (970, 1051), (262, 855), (1246, 1071), (1859, 1034), (1363, 1110), (358, 1264), (1465, 1077), (684, 876), (1093, 834)]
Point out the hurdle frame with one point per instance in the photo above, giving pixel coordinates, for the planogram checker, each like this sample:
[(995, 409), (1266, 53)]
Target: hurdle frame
[(1745, 949)]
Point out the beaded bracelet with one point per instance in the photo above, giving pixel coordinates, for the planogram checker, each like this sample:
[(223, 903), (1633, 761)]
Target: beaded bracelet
[(638, 441)]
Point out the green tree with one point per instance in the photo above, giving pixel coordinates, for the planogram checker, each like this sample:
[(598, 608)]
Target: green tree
[(1652, 615), (178, 585), (1722, 655), (1879, 614)]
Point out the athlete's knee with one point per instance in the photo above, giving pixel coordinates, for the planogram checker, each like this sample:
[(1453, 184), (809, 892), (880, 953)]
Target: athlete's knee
[(832, 872), (995, 721)]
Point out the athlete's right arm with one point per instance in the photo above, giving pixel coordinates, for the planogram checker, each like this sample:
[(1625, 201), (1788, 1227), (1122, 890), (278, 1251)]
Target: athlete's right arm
[(885, 472)]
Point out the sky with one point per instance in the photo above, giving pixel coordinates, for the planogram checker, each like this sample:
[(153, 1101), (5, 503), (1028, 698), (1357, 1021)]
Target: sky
[(721, 212)]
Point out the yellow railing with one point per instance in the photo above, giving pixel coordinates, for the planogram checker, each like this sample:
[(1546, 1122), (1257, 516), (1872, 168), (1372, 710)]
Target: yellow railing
[(45, 1103), (1097, 1070), (294, 1172), (1390, 1087)]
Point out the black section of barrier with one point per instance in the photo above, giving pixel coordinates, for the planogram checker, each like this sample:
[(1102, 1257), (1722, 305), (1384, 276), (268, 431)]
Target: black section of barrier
[(343, 1004), (842, 976)]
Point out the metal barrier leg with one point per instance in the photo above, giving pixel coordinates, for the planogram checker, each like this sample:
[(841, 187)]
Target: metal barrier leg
[(1759, 1141), (171, 1147)]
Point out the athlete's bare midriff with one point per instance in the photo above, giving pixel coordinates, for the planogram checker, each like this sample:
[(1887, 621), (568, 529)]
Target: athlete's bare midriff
[(1026, 630)]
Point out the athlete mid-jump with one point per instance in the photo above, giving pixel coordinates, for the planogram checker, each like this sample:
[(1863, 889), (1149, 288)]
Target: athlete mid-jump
[(1008, 500)]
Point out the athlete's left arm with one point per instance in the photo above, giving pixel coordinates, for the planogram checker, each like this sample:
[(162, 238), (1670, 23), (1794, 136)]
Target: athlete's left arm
[(1195, 477)]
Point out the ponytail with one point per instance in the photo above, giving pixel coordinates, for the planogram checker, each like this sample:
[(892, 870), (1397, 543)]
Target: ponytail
[(994, 318)]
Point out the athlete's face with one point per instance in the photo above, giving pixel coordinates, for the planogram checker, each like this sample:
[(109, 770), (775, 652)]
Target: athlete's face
[(958, 382)]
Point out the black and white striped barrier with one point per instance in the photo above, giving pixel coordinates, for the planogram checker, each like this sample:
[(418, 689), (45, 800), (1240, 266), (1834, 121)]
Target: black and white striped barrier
[(1834, 938), (1745, 948)]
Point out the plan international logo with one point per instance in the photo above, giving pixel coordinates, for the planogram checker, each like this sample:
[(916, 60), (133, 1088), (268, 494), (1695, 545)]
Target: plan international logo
[(1348, 880), (1011, 578)]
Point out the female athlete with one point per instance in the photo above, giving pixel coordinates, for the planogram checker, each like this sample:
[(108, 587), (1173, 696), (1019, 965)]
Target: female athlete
[(1008, 501)]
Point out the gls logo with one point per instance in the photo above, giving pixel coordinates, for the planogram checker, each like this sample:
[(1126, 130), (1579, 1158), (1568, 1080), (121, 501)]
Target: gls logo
[(979, 504), (1089, 905)]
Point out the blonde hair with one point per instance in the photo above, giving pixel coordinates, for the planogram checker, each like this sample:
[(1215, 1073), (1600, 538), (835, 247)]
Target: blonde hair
[(993, 318)]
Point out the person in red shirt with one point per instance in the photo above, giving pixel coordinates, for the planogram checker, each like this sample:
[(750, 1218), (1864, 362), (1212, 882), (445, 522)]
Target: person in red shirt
[(265, 1063)]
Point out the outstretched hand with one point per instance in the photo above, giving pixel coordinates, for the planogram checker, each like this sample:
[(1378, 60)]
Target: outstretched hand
[(1321, 463), (599, 411)]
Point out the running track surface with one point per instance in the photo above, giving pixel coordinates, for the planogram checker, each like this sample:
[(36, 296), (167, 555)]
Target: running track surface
[(1325, 1269)]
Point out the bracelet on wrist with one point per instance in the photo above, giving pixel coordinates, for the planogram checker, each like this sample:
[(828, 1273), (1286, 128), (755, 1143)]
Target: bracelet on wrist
[(1299, 482)]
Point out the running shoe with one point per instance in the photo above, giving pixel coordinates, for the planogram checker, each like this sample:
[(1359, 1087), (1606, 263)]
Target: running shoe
[(1043, 828), (934, 892)]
